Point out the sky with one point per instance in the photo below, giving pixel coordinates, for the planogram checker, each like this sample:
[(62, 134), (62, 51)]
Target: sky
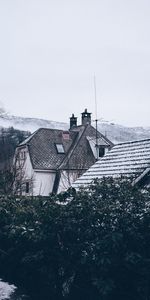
[(50, 51)]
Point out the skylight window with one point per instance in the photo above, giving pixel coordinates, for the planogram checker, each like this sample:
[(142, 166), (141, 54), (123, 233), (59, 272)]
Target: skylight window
[(60, 148)]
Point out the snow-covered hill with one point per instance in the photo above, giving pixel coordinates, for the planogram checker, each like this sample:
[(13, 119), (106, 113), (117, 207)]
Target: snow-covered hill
[(116, 133), (29, 124), (119, 133)]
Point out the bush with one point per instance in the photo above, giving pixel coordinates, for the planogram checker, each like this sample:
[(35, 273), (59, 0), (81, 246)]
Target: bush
[(90, 244)]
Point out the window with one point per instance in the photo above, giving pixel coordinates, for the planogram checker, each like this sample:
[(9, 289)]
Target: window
[(27, 187), (22, 154), (60, 148), (101, 151)]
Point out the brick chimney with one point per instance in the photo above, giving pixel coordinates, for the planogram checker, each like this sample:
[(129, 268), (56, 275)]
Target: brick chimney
[(86, 117), (73, 121)]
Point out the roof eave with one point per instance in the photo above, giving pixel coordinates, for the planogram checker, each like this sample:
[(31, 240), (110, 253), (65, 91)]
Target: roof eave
[(141, 177)]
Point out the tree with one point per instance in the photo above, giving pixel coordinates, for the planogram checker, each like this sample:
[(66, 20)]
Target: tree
[(9, 139), (89, 244), (105, 236)]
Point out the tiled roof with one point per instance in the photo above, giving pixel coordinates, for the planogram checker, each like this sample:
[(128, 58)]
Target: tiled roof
[(43, 150), (126, 159), (77, 155), (81, 155)]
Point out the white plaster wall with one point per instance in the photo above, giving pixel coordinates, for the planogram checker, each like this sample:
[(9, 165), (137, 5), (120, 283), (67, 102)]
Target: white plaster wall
[(66, 180), (23, 169), (29, 172), (43, 183), (40, 182), (24, 164)]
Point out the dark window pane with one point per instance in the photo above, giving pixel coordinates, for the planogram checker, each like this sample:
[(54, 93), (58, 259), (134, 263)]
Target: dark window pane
[(101, 151), (27, 187)]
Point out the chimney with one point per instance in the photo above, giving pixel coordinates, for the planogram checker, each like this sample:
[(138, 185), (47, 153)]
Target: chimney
[(86, 117), (66, 135), (73, 121)]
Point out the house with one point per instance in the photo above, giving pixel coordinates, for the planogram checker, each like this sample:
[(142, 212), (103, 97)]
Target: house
[(130, 159), (50, 160)]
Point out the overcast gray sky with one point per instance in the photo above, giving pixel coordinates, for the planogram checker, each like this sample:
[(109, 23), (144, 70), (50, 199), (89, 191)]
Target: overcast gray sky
[(51, 49)]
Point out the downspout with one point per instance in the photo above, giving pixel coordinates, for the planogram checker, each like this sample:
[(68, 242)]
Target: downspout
[(56, 182)]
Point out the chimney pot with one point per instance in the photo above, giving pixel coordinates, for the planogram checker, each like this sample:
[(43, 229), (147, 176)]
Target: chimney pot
[(86, 117), (73, 121)]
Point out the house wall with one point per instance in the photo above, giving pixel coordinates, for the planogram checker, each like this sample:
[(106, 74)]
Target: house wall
[(43, 183), (29, 173), (67, 178), (40, 182), (23, 171)]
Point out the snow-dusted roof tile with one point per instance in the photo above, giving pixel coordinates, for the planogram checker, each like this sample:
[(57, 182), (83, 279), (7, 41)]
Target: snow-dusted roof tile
[(127, 159)]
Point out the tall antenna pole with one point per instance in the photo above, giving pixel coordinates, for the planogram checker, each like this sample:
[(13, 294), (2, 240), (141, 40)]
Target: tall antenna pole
[(95, 94), (96, 120)]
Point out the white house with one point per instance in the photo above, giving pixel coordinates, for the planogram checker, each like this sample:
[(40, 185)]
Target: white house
[(50, 159)]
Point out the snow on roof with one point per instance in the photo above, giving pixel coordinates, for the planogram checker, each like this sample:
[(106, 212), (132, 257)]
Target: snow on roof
[(126, 159)]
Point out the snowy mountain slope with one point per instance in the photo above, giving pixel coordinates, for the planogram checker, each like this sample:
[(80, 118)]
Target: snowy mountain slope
[(116, 133), (29, 124)]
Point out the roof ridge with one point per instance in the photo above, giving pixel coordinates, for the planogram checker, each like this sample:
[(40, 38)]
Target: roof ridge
[(28, 139), (45, 128), (132, 142), (103, 136), (71, 150)]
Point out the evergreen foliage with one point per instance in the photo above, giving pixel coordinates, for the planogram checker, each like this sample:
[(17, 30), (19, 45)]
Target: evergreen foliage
[(90, 244), (10, 138)]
